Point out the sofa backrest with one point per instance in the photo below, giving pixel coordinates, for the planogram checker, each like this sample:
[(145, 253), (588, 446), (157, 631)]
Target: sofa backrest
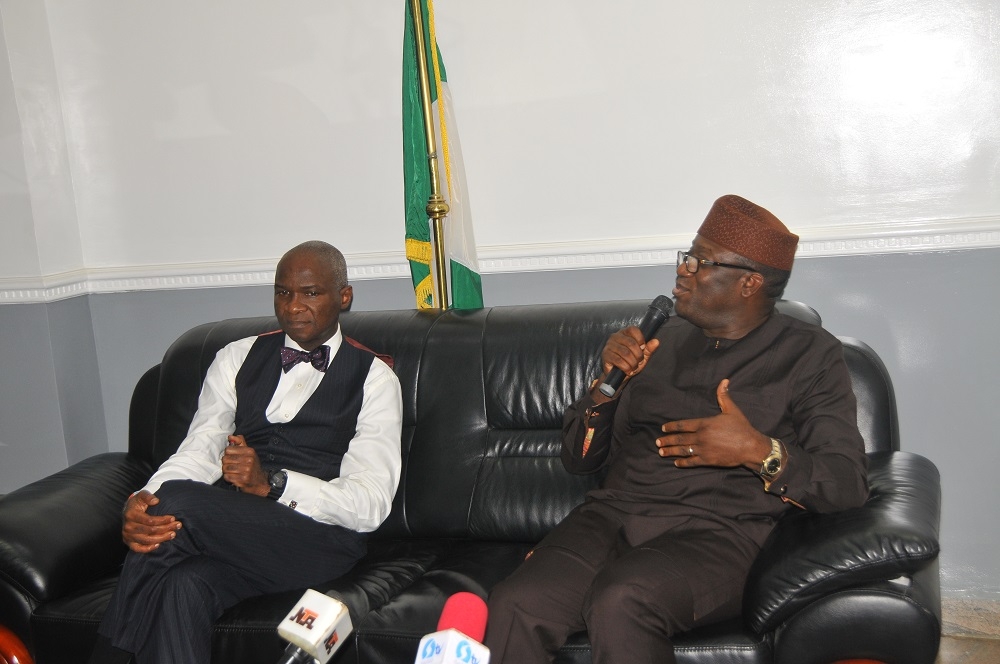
[(483, 396)]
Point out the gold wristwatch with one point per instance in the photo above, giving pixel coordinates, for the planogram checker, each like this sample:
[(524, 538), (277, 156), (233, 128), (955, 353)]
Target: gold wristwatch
[(770, 467)]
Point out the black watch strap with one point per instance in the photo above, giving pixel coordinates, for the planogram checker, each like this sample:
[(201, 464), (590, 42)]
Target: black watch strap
[(277, 479)]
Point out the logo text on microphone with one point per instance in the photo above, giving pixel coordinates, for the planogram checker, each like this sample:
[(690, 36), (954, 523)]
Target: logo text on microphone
[(305, 617)]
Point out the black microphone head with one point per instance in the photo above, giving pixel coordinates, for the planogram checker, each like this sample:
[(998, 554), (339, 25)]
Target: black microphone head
[(663, 304), (657, 313)]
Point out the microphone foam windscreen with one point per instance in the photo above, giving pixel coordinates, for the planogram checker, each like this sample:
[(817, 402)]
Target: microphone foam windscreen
[(663, 304), (465, 612)]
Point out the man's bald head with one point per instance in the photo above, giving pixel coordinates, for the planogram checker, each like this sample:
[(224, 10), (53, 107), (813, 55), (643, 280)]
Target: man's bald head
[(325, 252)]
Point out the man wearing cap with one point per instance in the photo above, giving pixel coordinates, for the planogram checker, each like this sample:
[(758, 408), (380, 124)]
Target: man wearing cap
[(732, 415)]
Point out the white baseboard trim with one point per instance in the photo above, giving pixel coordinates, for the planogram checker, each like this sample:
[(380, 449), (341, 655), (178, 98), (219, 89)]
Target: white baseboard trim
[(845, 240)]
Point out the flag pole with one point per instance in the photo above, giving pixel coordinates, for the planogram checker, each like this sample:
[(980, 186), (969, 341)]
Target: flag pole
[(437, 207)]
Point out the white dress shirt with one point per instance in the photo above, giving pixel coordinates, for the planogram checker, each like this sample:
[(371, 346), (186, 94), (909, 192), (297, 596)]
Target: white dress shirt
[(360, 499)]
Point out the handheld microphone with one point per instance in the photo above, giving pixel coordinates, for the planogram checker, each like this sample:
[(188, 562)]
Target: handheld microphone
[(315, 629), (658, 312), (459, 632)]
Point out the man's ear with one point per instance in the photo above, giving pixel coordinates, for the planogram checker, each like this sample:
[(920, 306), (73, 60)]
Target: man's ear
[(751, 284), (346, 297)]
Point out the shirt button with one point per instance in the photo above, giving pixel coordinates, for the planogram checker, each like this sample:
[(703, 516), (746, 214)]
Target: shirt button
[(270, 457)]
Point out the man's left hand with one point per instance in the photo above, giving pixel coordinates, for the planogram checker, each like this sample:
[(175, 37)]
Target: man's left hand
[(241, 468), (726, 440)]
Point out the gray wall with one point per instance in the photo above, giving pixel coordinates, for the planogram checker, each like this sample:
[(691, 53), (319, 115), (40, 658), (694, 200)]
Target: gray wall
[(67, 368), (32, 441)]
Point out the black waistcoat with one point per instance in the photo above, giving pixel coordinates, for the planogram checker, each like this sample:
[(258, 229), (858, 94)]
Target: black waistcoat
[(315, 440)]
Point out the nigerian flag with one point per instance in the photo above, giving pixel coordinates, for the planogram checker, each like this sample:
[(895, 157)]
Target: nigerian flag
[(465, 284)]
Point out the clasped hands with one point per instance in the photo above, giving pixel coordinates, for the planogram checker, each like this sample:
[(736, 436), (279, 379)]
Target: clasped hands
[(144, 532), (724, 440), (242, 469)]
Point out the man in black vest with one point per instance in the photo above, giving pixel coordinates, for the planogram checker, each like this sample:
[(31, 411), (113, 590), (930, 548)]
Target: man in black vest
[(293, 454)]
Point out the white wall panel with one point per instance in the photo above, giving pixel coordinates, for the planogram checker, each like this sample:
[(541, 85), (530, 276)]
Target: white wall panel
[(229, 130), (18, 252), (46, 158), (223, 132)]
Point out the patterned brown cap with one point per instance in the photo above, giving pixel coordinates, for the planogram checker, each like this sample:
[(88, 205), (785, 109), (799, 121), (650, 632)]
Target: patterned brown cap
[(751, 231)]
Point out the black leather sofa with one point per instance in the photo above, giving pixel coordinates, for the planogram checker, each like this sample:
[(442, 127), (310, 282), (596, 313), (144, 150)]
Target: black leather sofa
[(483, 394)]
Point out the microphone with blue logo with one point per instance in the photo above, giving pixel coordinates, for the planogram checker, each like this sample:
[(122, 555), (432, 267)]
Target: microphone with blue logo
[(459, 633)]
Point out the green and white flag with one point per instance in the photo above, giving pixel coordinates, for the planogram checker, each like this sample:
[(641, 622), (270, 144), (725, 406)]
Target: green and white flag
[(465, 284)]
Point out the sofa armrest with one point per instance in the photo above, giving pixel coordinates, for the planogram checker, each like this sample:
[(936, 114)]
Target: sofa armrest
[(808, 556), (64, 530)]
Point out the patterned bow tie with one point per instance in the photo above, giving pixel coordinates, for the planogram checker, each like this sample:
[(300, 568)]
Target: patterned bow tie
[(319, 358)]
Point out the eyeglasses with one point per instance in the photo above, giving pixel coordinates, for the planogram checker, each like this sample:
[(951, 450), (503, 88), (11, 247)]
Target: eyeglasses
[(692, 263)]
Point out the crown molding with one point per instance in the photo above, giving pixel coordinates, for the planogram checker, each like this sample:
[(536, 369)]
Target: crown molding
[(843, 240)]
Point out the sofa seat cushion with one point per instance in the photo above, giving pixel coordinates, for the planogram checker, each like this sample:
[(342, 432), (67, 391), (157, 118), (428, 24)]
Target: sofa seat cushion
[(395, 595), (400, 582), (66, 628), (392, 633)]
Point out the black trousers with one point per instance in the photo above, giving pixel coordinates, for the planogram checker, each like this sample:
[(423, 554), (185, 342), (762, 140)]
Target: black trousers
[(596, 571), (231, 546)]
